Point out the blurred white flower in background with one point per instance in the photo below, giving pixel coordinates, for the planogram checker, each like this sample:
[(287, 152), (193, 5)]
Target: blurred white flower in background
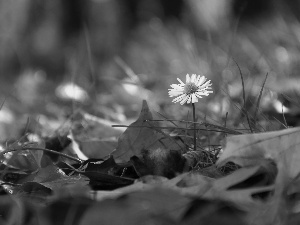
[(195, 87), (71, 91)]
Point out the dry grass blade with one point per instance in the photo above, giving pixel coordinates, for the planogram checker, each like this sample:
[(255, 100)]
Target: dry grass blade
[(280, 122), (89, 54), (259, 99), (284, 120), (257, 126), (225, 122), (166, 119), (244, 96), (1, 106), (237, 107), (129, 72)]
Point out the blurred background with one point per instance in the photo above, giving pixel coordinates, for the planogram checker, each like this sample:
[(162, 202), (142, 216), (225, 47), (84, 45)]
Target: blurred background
[(105, 56)]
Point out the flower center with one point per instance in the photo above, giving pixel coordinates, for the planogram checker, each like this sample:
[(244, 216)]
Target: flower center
[(190, 88)]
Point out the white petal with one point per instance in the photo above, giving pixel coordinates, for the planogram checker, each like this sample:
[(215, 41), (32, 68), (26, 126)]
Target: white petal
[(198, 95), (194, 98), (184, 99), (193, 78), (201, 92), (187, 79), (189, 99), (180, 81), (179, 98), (197, 80), (177, 86), (201, 81), (174, 93), (207, 84), (182, 90)]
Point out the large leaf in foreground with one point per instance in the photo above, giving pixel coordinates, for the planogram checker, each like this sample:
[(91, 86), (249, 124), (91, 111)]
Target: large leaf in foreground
[(138, 136), (154, 206), (280, 146), (93, 137), (26, 160), (53, 178)]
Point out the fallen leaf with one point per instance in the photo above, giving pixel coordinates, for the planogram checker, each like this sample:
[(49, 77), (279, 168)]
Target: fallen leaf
[(98, 165), (64, 211), (11, 210), (190, 184), (235, 178), (94, 137), (56, 143), (216, 212), (90, 126), (103, 181), (97, 148), (53, 178), (155, 206), (280, 146), (138, 136), (140, 167), (222, 188)]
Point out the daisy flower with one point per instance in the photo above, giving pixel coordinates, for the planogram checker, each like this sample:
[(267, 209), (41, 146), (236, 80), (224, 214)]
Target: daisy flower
[(194, 87)]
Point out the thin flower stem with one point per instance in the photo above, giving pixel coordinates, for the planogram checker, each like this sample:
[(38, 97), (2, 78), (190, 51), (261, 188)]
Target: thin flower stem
[(195, 126)]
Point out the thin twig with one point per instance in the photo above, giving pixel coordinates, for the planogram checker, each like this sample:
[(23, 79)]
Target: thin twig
[(202, 123), (244, 96), (180, 128), (41, 149), (9, 183)]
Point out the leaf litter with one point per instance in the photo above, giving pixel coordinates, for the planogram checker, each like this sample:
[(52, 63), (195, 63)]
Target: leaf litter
[(151, 174)]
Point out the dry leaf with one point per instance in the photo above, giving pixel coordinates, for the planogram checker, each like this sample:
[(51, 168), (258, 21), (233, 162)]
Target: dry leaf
[(138, 136), (280, 146), (93, 137)]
